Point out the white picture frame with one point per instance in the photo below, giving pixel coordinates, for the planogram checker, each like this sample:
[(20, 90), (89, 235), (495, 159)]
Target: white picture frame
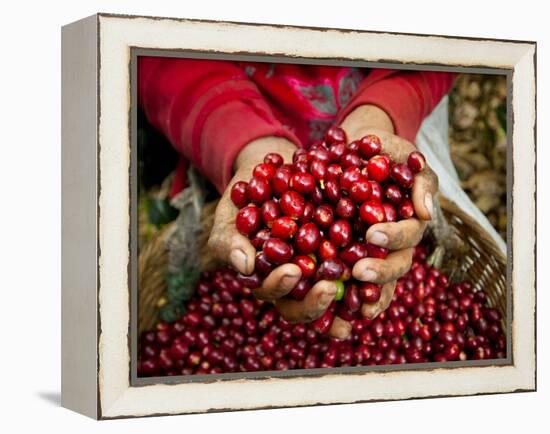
[(96, 246)]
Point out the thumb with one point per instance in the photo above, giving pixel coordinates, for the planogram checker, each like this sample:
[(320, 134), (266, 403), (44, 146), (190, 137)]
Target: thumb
[(423, 193), (226, 243), (241, 254)]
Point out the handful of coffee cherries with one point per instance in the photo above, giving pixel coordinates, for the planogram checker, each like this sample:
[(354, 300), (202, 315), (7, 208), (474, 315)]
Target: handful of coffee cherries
[(315, 211)]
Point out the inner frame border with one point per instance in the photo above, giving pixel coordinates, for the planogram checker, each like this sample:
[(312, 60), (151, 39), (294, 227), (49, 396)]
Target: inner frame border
[(136, 381)]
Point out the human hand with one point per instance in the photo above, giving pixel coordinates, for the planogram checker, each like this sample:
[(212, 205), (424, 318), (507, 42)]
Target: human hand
[(229, 245), (399, 237)]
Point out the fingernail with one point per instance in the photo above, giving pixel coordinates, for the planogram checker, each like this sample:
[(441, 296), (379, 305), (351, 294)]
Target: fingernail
[(378, 238), (429, 204), (238, 258), (368, 275), (288, 280)]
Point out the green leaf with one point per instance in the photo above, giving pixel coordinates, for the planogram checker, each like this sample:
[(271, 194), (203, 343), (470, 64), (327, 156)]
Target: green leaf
[(171, 312), (190, 277), (501, 115), (185, 277), (173, 280), (161, 212), (180, 293)]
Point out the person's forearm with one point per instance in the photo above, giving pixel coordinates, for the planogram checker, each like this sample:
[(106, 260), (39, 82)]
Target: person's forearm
[(363, 117), (406, 96), (366, 117), (208, 110)]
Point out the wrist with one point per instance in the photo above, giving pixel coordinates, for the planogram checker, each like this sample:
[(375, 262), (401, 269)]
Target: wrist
[(253, 153), (366, 117)]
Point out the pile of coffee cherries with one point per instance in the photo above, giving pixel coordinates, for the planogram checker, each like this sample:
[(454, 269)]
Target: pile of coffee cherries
[(315, 211), (226, 329)]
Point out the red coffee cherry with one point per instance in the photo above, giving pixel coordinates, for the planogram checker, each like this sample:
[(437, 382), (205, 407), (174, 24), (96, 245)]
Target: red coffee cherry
[(302, 182), (307, 239), (323, 216), (378, 168), (372, 212), (369, 146), (359, 191), (270, 211), (248, 220), (292, 204), (402, 175), (277, 251), (307, 264), (238, 194), (416, 161), (340, 233), (335, 135), (284, 227), (370, 292), (264, 170), (258, 190), (274, 159), (345, 208), (281, 180)]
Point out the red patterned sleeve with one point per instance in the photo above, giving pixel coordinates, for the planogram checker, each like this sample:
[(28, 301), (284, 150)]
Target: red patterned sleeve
[(406, 96), (207, 109)]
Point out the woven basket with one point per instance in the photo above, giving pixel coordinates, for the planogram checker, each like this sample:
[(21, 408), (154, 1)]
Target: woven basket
[(152, 263), (482, 262)]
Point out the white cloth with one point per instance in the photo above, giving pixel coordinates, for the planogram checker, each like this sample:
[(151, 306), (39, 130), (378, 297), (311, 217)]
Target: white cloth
[(433, 141)]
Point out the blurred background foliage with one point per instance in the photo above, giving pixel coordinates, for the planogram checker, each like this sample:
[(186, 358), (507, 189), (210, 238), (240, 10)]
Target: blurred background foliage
[(477, 137)]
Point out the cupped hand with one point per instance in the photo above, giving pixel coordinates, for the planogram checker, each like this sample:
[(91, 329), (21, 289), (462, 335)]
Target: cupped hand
[(399, 237), (227, 244)]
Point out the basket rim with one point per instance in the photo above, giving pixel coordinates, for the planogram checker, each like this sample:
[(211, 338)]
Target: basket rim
[(451, 206)]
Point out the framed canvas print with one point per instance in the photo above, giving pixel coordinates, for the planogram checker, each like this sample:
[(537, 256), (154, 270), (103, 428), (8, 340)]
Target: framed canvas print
[(259, 216)]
